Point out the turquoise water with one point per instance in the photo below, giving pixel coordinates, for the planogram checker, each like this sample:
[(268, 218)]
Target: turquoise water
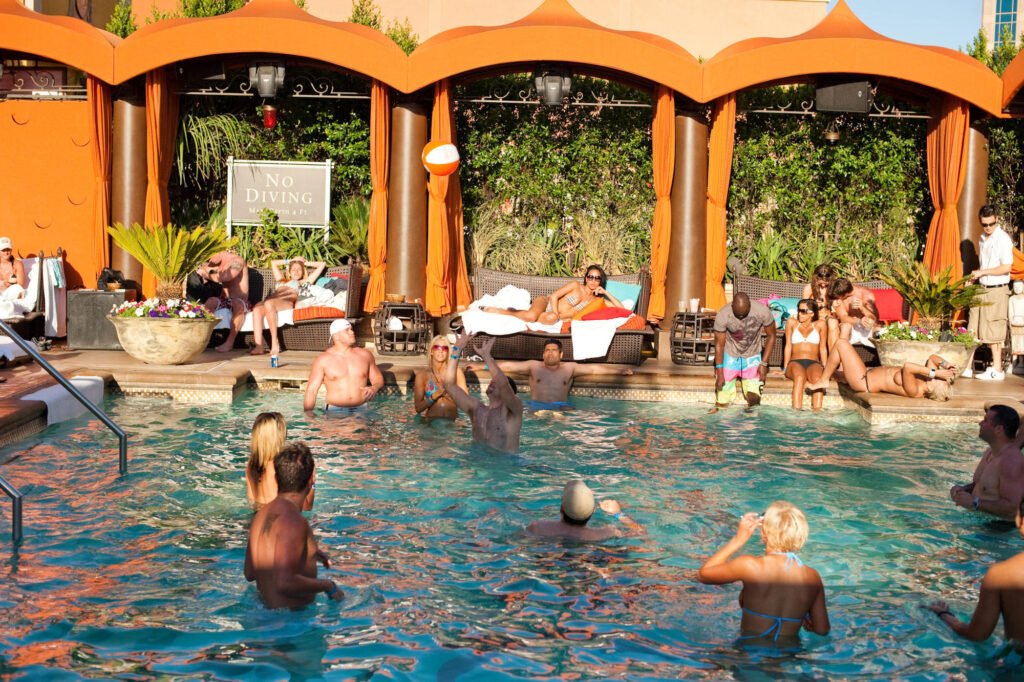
[(141, 576)]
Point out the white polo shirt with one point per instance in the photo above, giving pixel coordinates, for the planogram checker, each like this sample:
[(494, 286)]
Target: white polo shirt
[(995, 249)]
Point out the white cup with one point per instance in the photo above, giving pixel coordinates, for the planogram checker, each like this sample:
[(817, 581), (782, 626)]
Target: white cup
[(681, 306), (694, 305)]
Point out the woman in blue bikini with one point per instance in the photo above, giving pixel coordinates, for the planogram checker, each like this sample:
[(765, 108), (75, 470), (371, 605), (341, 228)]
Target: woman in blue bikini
[(780, 595), (430, 396)]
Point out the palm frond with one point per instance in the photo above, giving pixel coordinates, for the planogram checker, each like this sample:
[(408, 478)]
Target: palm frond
[(169, 252)]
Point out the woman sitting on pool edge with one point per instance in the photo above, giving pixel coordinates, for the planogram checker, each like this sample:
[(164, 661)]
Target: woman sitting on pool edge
[(569, 302), (269, 432), (806, 353), (288, 292), (931, 380), (430, 397), (780, 595)]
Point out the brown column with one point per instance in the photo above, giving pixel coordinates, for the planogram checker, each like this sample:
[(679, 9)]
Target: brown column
[(407, 203), (975, 194), (128, 176), (687, 254)]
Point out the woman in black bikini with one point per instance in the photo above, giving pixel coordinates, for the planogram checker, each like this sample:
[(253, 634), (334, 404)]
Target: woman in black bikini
[(806, 352), (431, 398)]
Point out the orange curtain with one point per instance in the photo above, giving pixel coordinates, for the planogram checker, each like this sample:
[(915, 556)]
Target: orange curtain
[(720, 149), (161, 128), (1017, 269), (439, 296), (663, 142), (947, 168), (380, 164), (462, 294), (99, 122)]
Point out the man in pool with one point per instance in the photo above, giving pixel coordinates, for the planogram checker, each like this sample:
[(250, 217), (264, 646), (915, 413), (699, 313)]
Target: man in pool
[(344, 369), (577, 508), (739, 357), (498, 423), (282, 552), (550, 378), (998, 484)]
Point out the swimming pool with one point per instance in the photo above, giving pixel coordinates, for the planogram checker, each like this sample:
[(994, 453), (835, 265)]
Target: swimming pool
[(142, 576)]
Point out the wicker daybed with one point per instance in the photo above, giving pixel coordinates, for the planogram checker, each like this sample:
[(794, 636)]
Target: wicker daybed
[(304, 334), (627, 345)]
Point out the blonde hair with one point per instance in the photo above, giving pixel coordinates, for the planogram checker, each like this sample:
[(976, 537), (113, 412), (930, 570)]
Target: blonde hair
[(784, 527), (939, 391), (440, 338), (269, 432)]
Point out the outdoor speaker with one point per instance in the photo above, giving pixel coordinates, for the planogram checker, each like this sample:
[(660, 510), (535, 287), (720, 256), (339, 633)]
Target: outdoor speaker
[(846, 96)]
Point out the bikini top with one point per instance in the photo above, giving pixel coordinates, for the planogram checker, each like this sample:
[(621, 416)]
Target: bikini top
[(798, 336), (777, 621)]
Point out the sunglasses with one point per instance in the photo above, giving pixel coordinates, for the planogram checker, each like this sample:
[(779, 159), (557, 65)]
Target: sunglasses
[(595, 278), (803, 310), (444, 348), (989, 224)]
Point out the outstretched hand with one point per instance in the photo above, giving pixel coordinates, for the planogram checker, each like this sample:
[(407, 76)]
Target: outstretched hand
[(484, 349), (749, 522), (462, 340), (938, 606), (610, 506)]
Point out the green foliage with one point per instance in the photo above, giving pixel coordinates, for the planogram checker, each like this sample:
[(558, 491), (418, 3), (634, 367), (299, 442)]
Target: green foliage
[(997, 58), (350, 228), (901, 331), (205, 142), (122, 23), (169, 252), (346, 242), (936, 299), (203, 8), (403, 35), (366, 13)]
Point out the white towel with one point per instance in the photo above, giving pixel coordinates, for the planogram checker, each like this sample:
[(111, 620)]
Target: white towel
[(284, 317), (475, 321), (11, 350), (55, 296), (591, 338), (510, 298), (61, 405)]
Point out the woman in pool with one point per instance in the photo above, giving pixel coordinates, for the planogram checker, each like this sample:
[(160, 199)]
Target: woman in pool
[(288, 292), (821, 279), (805, 354), (269, 432), (780, 595), (431, 398), (570, 302)]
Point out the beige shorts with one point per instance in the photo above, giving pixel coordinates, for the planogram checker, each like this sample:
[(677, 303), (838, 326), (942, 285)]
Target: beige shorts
[(988, 322)]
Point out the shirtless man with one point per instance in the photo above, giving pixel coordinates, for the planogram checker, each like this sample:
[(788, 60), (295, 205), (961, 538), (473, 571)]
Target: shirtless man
[(998, 484), (12, 270), (344, 369), (854, 306), (282, 552), (550, 378), (230, 271), (1002, 594), (577, 508), (498, 423)]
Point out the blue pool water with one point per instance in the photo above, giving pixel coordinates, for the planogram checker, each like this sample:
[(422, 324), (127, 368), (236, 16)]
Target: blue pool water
[(141, 576)]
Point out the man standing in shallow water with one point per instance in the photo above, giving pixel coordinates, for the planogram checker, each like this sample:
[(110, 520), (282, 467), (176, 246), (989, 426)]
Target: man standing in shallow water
[(498, 423), (738, 350), (282, 552), (344, 369), (577, 508), (998, 484)]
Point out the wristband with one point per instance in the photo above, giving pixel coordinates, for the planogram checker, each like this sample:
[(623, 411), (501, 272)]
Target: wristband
[(931, 373), (429, 399), (617, 516), (330, 592), (719, 366)]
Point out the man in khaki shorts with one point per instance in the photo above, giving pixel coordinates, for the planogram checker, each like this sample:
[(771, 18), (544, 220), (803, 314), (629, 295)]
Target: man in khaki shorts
[(988, 322)]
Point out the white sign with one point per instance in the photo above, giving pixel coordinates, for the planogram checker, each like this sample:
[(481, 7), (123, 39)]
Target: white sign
[(299, 192)]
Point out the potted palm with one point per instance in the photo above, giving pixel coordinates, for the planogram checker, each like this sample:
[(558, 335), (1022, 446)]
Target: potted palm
[(936, 300), (167, 329)]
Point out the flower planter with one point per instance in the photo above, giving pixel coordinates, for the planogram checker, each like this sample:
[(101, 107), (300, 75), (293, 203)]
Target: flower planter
[(163, 341), (895, 353)]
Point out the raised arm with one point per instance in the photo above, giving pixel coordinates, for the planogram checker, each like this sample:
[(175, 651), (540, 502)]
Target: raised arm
[(561, 293), (463, 400), (579, 370), (524, 366), (275, 267), (314, 269), (510, 399), (615, 509), (718, 570), (316, 379), (601, 291)]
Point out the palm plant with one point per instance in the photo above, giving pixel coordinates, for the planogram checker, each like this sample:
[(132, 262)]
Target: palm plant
[(169, 252), (350, 228), (936, 299)]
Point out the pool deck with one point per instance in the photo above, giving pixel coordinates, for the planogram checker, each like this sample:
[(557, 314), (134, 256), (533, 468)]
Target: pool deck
[(216, 377)]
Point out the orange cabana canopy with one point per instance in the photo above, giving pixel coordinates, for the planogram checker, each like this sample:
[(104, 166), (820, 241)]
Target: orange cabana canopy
[(59, 39), (841, 43), (262, 26), (1013, 79), (554, 32)]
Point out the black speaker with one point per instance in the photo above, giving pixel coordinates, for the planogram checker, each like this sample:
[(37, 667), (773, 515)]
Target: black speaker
[(846, 96), (88, 326)]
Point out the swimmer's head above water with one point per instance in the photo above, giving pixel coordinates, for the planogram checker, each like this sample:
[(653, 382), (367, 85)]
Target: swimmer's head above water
[(552, 355)]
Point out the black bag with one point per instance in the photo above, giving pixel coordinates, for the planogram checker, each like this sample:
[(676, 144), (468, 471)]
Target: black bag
[(109, 275), (337, 284)]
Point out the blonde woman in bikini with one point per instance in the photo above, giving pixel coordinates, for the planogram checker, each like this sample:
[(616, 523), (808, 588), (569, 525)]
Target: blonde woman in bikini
[(288, 292), (806, 352), (269, 433), (431, 398)]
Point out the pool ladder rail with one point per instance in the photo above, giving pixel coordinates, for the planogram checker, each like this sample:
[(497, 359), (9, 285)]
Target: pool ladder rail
[(122, 460)]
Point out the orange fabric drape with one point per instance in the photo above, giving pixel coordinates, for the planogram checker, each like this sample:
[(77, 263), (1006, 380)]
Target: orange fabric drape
[(161, 128), (720, 149), (463, 293), (380, 164), (439, 296), (99, 123), (1017, 269), (947, 169), (663, 142)]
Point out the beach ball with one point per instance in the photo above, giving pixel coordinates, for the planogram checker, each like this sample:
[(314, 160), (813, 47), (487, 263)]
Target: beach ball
[(440, 158)]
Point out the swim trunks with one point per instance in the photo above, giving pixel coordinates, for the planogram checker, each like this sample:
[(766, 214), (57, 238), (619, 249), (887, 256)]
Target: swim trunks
[(226, 304), (746, 371), (343, 409), (539, 405)]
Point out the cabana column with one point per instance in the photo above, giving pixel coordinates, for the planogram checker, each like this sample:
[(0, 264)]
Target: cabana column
[(407, 202), (974, 195), (380, 162), (947, 168), (720, 151), (128, 193), (664, 154)]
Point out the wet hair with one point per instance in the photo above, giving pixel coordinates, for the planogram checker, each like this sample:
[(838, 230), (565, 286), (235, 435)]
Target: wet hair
[(823, 274), (1007, 418), (784, 527), (811, 303), (604, 277), (293, 467), (557, 342), (940, 391), (840, 287), (987, 211), (574, 522), (269, 432)]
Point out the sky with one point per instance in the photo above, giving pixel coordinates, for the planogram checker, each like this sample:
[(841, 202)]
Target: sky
[(947, 23)]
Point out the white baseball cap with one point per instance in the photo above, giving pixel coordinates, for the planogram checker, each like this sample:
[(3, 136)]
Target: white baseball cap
[(340, 325), (5, 243)]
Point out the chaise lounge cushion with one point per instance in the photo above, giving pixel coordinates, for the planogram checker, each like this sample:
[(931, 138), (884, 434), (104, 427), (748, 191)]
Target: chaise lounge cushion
[(890, 305)]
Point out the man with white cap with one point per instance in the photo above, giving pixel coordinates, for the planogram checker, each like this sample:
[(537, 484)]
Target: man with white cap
[(577, 507), (344, 369)]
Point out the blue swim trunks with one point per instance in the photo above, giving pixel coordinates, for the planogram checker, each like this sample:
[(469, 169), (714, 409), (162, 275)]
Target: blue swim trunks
[(538, 405), (339, 409)]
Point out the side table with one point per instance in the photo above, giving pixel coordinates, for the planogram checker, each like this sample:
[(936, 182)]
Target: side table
[(692, 338), (411, 339)]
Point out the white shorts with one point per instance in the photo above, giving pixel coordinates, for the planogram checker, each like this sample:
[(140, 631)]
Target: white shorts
[(862, 335)]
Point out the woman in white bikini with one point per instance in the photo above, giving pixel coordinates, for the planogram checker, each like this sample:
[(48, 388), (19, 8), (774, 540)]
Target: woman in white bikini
[(806, 352), (300, 275)]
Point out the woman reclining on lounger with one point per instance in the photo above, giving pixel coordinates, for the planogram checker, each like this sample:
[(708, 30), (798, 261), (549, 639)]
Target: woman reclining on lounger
[(568, 303), (288, 292)]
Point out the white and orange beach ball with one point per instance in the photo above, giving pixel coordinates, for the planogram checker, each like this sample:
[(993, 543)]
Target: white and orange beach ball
[(440, 158)]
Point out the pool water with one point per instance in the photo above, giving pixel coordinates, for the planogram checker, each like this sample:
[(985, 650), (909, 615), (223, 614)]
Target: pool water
[(141, 576)]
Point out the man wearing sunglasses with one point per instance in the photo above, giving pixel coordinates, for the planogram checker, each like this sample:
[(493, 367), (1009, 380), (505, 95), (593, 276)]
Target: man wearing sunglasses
[(988, 322)]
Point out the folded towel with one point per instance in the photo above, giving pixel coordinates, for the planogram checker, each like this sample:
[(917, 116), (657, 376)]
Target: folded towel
[(510, 297), (495, 324), (61, 405)]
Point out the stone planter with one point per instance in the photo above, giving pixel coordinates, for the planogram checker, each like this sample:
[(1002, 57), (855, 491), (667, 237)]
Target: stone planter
[(163, 341), (895, 353)]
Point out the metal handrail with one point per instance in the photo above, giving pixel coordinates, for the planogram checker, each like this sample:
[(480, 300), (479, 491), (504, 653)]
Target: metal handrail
[(122, 461), (15, 496)]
